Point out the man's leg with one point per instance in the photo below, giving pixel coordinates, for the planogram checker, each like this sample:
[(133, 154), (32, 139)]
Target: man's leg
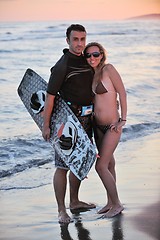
[(74, 182), (60, 183), (74, 190)]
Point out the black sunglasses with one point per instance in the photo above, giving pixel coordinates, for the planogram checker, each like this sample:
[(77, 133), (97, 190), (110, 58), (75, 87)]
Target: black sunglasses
[(94, 54)]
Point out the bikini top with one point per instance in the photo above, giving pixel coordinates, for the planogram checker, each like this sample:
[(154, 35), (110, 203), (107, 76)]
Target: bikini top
[(101, 89)]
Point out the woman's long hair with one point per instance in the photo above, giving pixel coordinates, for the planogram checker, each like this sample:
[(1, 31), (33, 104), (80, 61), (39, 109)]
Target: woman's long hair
[(98, 73)]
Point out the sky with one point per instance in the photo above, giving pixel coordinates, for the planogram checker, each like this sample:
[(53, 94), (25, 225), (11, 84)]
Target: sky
[(46, 10)]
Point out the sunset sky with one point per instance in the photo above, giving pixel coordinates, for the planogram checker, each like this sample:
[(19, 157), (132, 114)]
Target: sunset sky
[(35, 10)]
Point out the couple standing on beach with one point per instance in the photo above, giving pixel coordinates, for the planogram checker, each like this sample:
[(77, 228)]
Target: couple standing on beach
[(85, 79)]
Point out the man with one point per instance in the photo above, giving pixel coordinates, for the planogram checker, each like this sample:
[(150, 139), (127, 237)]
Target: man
[(72, 78)]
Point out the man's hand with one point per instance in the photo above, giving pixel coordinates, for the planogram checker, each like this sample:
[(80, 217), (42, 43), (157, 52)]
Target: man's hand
[(46, 133)]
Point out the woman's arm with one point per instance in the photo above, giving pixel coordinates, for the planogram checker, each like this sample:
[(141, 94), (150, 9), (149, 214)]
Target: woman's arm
[(120, 89)]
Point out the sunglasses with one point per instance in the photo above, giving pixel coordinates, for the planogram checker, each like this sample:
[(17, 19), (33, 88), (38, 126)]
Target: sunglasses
[(94, 54)]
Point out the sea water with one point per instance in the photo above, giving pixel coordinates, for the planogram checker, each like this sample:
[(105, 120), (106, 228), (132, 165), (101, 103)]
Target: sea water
[(133, 47)]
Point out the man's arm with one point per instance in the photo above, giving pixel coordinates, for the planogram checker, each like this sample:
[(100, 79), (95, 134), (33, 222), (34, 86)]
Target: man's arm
[(48, 108)]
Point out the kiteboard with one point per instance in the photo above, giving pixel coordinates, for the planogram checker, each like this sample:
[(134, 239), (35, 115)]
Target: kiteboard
[(81, 156)]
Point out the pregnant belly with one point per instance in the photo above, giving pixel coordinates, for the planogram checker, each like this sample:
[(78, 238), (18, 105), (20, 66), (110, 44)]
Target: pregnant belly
[(105, 117)]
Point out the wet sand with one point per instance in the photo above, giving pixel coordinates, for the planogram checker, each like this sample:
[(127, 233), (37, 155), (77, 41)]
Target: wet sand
[(32, 214)]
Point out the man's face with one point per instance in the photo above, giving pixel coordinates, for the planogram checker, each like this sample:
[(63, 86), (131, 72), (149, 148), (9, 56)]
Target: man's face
[(77, 42)]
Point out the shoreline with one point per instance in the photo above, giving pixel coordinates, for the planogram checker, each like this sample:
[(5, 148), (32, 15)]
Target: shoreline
[(31, 214)]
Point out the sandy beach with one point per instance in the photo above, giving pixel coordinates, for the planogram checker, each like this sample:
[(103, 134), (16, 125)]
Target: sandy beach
[(32, 214)]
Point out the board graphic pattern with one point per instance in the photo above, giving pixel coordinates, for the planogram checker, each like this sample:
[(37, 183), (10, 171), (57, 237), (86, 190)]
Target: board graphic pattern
[(82, 158)]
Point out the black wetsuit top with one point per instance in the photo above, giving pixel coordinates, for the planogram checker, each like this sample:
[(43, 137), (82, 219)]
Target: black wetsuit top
[(72, 78)]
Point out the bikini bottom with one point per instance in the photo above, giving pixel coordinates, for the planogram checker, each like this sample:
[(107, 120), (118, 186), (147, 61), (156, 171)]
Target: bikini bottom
[(99, 132), (103, 128)]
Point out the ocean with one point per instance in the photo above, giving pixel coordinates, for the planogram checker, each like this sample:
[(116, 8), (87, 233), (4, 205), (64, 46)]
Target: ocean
[(133, 47)]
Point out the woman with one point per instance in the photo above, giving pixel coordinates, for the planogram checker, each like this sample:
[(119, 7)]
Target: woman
[(108, 123)]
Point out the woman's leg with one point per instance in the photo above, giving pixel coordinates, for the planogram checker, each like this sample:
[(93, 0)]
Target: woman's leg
[(108, 145), (99, 135), (111, 168)]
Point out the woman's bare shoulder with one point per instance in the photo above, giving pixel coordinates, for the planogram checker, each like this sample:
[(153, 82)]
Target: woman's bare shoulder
[(108, 68)]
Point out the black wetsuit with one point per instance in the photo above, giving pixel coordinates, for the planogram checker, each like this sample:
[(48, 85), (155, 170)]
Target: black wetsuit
[(72, 78)]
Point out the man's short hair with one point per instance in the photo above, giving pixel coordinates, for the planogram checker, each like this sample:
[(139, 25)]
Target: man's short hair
[(74, 27)]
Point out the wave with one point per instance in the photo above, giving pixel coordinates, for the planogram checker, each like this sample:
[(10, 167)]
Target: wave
[(12, 39), (23, 187), (17, 50), (18, 155), (139, 130), (106, 33), (24, 166)]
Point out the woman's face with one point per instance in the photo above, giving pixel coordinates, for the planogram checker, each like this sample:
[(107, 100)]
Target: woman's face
[(93, 56)]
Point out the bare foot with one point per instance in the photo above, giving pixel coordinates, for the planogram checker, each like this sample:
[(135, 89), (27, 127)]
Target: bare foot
[(82, 205), (63, 217), (104, 209), (113, 211)]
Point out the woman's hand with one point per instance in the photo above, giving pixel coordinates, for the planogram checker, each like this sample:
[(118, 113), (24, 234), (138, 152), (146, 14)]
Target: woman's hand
[(117, 126)]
